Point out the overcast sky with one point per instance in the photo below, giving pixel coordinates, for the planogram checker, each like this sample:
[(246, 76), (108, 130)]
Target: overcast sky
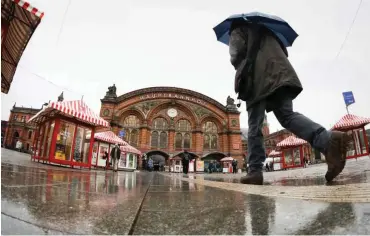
[(143, 43)]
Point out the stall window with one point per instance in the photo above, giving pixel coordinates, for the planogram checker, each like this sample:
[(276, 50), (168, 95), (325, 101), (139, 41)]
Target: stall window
[(43, 139), (288, 157), (351, 149), (82, 145), (49, 138), (63, 149), (103, 148), (130, 160), (29, 134), (297, 157)]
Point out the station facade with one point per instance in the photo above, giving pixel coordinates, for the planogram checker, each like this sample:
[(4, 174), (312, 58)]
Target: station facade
[(166, 121)]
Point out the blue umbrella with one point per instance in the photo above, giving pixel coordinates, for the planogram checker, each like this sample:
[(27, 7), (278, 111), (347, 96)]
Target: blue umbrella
[(278, 26)]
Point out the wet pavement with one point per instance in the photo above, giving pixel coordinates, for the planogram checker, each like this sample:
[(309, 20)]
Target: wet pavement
[(44, 199)]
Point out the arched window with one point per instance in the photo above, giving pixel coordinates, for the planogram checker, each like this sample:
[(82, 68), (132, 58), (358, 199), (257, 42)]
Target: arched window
[(160, 124), (210, 135), (154, 139), (163, 140), (131, 124), (178, 140), (183, 125), (187, 140), (131, 121), (183, 137), (159, 134)]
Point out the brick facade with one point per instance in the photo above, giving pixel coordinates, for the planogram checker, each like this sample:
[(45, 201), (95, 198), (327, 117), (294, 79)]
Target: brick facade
[(207, 127), (19, 129)]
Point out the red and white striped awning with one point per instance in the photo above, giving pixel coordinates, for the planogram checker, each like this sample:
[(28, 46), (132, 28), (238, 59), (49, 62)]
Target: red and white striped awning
[(19, 21), (291, 141), (274, 153), (350, 121), (130, 149), (75, 109), (109, 137), (28, 7)]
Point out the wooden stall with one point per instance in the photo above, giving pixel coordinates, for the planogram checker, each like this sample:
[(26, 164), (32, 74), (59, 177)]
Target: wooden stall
[(64, 133), (355, 126), (292, 152)]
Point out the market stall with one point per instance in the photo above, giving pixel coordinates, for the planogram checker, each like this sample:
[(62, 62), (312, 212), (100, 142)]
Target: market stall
[(176, 164), (355, 126), (19, 21), (102, 146), (292, 152), (226, 164), (276, 159), (63, 133), (129, 158)]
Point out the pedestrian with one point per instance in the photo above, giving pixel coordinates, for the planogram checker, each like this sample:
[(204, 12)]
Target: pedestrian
[(267, 82), (150, 164), (235, 164), (185, 162), (115, 155)]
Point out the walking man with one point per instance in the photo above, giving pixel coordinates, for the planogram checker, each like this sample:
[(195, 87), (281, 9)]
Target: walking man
[(266, 81), (115, 155), (185, 162)]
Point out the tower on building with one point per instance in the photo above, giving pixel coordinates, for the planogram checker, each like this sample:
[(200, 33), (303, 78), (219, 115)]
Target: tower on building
[(265, 129)]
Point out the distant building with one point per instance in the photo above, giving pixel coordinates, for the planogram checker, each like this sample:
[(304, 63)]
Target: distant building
[(18, 128), (4, 124)]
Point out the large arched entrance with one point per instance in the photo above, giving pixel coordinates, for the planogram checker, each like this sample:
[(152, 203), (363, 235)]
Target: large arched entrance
[(159, 158), (213, 157), (15, 139)]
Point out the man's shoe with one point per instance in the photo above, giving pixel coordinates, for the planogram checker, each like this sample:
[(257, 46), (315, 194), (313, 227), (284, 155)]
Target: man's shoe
[(253, 177), (336, 154)]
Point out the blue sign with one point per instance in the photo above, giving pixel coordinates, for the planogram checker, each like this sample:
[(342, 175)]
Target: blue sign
[(348, 98), (121, 134)]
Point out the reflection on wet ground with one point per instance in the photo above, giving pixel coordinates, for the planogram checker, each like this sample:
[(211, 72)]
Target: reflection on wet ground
[(50, 200)]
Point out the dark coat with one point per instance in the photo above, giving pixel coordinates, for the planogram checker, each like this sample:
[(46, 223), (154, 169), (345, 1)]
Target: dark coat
[(115, 153), (274, 77)]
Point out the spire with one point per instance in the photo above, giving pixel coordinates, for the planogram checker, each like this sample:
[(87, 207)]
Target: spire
[(14, 105), (61, 97)]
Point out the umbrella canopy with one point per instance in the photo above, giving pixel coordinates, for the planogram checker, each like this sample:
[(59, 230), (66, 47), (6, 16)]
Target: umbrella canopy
[(227, 159), (109, 137), (350, 121), (75, 109), (130, 149), (19, 21), (291, 141), (283, 31), (274, 153)]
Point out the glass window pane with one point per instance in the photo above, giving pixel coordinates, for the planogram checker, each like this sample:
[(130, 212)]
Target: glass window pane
[(134, 137), (154, 139), (163, 140), (48, 139), (214, 142), (131, 121), (103, 154), (288, 158), (297, 156), (206, 142), (63, 150), (183, 125), (187, 140), (178, 140)]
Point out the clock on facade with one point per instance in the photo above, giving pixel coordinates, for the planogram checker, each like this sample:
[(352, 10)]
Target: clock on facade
[(172, 112), (106, 112)]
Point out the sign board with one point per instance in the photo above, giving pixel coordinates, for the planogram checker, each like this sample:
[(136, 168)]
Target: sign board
[(348, 98), (121, 134), (236, 146), (200, 166)]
